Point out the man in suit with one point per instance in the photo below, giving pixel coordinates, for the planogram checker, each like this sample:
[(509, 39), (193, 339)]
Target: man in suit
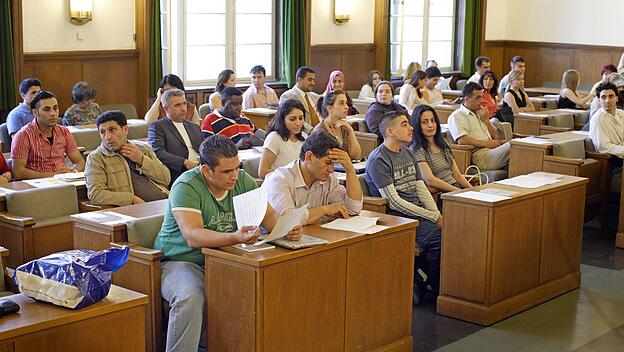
[(302, 91), (174, 139)]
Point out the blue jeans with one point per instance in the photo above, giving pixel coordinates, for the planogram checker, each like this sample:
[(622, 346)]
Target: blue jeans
[(428, 237), (182, 285)]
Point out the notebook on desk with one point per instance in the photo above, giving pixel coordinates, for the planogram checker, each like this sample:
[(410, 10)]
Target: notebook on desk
[(360, 167), (305, 242)]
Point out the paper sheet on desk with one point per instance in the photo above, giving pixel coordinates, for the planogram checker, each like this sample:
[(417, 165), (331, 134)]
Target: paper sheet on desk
[(250, 207), (486, 197), (70, 176), (528, 181), (359, 224), (44, 182), (534, 140), (105, 217), (285, 223)]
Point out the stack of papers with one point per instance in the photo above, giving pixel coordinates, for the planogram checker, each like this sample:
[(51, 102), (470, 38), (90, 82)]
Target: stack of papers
[(483, 196), (359, 224), (70, 176), (530, 181)]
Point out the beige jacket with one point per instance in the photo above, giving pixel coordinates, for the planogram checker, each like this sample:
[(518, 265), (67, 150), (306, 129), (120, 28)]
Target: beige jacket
[(108, 176)]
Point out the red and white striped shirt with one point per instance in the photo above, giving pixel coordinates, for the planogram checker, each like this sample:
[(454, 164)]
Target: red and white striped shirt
[(29, 143)]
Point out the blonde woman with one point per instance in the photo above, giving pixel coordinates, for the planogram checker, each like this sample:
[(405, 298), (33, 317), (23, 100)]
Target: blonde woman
[(410, 70), (515, 96), (568, 97)]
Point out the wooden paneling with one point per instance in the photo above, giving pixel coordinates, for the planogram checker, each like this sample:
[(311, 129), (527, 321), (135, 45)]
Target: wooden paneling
[(114, 74), (546, 62), (354, 60)]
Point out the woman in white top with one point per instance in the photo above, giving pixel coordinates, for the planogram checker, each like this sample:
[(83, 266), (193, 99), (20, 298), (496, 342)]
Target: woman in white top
[(434, 94), (412, 93), (226, 78), (285, 137), (367, 91)]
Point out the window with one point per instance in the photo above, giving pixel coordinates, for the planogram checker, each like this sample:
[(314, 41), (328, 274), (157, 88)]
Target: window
[(421, 30), (204, 37)]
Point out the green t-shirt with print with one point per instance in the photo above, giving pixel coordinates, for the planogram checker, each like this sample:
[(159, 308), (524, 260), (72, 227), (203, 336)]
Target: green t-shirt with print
[(190, 193)]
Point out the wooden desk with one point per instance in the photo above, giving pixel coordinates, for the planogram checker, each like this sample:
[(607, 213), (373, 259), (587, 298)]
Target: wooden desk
[(536, 123), (91, 234), (451, 94), (536, 91), (352, 294), (501, 258), (260, 117), (444, 111), (525, 157), (114, 324), (16, 186)]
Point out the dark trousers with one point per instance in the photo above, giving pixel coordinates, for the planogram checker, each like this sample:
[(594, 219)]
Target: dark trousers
[(428, 237)]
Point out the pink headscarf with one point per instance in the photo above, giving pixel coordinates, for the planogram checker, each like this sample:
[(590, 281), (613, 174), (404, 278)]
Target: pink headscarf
[(330, 84)]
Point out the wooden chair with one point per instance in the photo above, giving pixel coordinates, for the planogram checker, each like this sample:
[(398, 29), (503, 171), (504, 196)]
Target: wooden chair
[(37, 222), (376, 204), (368, 142), (5, 138), (128, 109), (4, 277)]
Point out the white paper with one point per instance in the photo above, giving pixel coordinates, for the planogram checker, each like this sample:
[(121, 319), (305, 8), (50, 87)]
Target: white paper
[(261, 110), (250, 207), (285, 223), (544, 174), (534, 140), (526, 181), (44, 182), (248, 154), (105, 217), (359, 224), (485, 197), (500, 192), (70, 176)]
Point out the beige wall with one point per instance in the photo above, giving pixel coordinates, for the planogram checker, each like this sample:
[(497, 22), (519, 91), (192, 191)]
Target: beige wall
[(359, 29), (47, 28), (589, 22)]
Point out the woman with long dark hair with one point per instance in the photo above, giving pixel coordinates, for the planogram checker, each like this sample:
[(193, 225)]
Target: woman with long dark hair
[(226, 78), (433, 154)]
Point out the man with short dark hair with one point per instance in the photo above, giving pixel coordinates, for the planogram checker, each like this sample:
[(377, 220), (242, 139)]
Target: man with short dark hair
[(259, 95), (470, 125), (310, 180), (606, 127), (392, 173), (38, 149), (201, 214), (175, 139), (120, 172), (229, 121), (22, 114), (302, 91), (518, 64), (482, 64)]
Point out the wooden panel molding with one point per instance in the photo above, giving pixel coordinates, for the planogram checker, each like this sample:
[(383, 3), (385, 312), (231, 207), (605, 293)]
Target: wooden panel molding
[(546, 62), (354, 60)]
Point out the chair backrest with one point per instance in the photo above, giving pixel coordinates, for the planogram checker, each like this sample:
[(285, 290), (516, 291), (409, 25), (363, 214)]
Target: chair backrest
[(353, 94), (44, 203), (589, 145), (88, 138), (570, 149), (204, 110), (128, 109), (561, 120), (363, 185), (460, 84), (143, 231), (551, 84), (5, 138), (368, 142)]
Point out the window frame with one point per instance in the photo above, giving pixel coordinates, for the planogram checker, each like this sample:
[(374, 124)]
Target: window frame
[(425, 37), (177, 31)]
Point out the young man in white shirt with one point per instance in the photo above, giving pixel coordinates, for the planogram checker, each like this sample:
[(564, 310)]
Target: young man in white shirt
[(482, 63), (259, 95), (606, 127), (174, 139), (470, 125)]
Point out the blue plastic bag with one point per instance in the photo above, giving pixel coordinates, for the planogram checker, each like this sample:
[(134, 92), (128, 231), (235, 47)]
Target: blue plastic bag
[(72, 279)]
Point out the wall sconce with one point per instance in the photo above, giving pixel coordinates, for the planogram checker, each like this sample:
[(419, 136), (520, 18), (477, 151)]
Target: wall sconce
[(342, 11), (80, 11)]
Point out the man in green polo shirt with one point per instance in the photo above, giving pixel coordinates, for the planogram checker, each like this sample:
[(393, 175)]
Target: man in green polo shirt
[(201, 214)]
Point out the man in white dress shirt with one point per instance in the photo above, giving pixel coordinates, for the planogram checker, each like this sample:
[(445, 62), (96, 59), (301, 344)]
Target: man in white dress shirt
[(302, 91), (482, 63), (606, 127)]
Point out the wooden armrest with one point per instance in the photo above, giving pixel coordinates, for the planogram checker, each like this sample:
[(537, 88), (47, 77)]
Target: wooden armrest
[(4, 252), (137, 251), (554, 129), (375, 200), (462, 147), (597, 155), (17, 220), (85, 206), (558, 159)]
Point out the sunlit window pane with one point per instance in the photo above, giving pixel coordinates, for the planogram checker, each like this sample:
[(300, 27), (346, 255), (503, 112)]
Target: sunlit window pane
[(248, 56), (394, 58), (441, 7), (253, 29), (163, 24), (254, 6), (440, 28), (442, 52), (394, 29), (411, 52), (412, 28), (204, 62), (205, 6), (413, 7), (205, 29)]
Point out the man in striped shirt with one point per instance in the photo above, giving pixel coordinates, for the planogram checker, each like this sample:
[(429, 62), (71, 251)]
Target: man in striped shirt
[(229, 122), (39, 148)]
